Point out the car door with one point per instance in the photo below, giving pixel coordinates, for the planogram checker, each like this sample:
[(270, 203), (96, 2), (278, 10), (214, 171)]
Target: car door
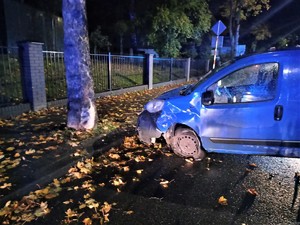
[(245, 115), (290, 127)]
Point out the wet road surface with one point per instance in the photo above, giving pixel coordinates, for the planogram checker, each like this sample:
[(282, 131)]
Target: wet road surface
[(159, 187)]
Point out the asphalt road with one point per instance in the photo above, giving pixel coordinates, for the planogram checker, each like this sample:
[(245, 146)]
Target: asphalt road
[(159, 187), (194, 189)]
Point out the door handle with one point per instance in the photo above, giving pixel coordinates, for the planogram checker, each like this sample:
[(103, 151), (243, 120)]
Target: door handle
[(278, 112)]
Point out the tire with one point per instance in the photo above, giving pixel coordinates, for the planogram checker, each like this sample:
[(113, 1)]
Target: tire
[(186, 143)]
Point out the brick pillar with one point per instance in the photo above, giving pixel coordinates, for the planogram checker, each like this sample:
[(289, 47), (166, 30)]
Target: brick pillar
[(33, 76)]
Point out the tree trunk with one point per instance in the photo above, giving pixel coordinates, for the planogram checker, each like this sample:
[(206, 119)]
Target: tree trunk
[(132, 17), (82, 113), (237, 25), (121, 44), (231, 25), (237, 36)]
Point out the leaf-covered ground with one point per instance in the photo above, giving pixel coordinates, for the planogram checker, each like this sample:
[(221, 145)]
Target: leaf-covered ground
[(37, 144)]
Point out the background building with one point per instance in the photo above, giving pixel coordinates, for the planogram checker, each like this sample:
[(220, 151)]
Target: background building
[(20, 22)]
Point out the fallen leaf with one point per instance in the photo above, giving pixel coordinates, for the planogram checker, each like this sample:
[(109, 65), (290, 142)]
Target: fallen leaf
[(30, 152), (106, 207), (114, 156), (117, 182), (82, 206), (43, 191), (51, 148), (252, 191), (28, 217), (73, 144), (68, 202), (10, 149), (91, 203), (129, 212), (87, 221), (17, 155), (43, 210), (83, 168), (70, 213), (135, 179), (158, 145), (56, 182), (165, 183), (105, 211), (51, 195), (7, 204), (139, 171), (252, 165), (102, 184), (140, 158), (189, 160), (5, 185), (222, 201)]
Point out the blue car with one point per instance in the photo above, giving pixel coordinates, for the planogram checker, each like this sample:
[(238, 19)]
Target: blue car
[(250, 106)]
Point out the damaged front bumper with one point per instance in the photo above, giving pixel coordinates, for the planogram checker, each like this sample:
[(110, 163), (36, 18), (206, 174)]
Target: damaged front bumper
[(147, 129)]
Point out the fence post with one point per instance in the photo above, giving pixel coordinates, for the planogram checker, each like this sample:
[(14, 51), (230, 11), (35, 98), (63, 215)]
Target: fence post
[(109, 83), (148, 71), (33, 75), (207, 66), (187, 69), (171, 69)]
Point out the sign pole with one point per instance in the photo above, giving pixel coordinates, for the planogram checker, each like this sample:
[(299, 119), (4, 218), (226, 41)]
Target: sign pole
[(215, 52), (218, 28)]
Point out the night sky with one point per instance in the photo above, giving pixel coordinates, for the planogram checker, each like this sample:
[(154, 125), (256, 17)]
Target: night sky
[(283, 17)]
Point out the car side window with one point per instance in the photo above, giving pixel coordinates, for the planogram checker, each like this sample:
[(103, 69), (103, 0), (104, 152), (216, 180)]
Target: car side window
[(250, 84)]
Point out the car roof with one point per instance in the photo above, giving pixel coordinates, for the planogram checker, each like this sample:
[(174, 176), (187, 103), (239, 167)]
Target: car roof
[(285, 51)]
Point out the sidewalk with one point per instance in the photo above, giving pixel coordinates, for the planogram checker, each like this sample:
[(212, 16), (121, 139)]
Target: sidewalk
[(37, 147)]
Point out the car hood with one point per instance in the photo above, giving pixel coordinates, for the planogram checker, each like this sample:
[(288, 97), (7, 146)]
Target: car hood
[(181, 91)]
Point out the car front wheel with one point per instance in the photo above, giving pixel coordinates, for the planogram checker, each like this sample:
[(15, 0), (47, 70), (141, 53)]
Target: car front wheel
[(186, 143)]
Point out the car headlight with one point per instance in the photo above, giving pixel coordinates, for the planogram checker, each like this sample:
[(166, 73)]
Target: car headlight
[(154, 106)]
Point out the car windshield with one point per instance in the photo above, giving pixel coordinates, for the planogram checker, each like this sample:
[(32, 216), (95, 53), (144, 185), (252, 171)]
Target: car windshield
[(210, 73)]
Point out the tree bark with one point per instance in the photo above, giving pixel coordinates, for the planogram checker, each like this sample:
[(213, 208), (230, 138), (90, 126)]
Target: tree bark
[(132, 17), (82, 113), (231, 27), (121, 44), (237, 25)]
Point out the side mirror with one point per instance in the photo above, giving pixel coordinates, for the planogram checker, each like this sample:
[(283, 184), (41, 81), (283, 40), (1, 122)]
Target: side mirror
[(207, 98)]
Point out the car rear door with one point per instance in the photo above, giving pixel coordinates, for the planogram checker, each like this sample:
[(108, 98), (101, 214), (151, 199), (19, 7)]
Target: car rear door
[(290, 127)]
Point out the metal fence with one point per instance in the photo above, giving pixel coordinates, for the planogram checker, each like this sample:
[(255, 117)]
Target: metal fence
[(99, 68), (168, 69), (126, 71), (56, 86), (198, 67), (110, 72), (10, 77)]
